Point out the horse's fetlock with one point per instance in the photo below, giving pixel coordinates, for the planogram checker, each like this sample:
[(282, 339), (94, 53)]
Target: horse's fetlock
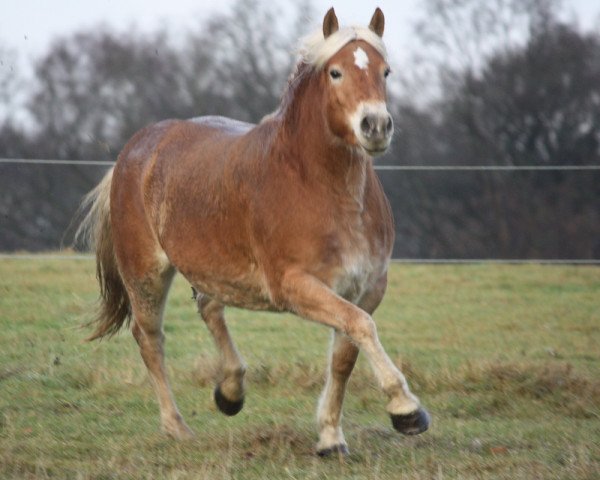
[(402, 403)]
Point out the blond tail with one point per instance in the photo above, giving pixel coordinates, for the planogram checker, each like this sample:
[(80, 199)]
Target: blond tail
[(95, 231)]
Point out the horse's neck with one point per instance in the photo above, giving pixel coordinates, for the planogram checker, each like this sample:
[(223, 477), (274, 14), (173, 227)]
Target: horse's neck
[(342, 170), (356, 178), (310, 146)]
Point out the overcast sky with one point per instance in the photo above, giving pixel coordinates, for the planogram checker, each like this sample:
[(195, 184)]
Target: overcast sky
[(28, 26)]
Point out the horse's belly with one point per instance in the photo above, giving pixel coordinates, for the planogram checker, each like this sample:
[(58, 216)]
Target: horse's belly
[(242, 298), (244, 290)]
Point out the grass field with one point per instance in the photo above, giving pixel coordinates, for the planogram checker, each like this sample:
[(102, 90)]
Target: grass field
[(506, 358)]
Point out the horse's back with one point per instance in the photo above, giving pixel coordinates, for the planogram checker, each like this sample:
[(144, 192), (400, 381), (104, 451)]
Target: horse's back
[(179, 137), (226, 125)]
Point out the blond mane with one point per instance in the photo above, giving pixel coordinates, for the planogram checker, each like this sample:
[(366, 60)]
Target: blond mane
[(316, 50)]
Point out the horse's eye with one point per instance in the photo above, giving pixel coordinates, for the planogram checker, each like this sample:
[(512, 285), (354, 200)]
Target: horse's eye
[(335, 74), (386, 72)]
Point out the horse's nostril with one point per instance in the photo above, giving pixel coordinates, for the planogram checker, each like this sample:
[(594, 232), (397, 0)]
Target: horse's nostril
[(366, 125), (389, 125)]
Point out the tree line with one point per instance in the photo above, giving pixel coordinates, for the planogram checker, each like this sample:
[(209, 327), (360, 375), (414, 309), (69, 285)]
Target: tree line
[(505, 84)]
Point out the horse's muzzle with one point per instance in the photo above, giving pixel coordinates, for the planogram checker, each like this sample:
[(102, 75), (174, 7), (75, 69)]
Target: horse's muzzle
[(376, 130), (373, 126)]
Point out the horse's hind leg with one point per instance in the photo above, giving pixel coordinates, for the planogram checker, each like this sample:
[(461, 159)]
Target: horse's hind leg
[(229, 393), (148, 296)]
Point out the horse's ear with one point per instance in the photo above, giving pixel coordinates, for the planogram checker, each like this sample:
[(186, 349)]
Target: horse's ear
[(330, 23), (377, 22)]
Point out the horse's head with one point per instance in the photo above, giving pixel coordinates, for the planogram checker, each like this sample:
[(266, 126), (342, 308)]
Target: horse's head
[(353, 68)]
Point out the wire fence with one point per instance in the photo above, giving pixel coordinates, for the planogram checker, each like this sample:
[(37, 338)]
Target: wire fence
[(418, 168), (38, 161), (433, 261), (108, 163)]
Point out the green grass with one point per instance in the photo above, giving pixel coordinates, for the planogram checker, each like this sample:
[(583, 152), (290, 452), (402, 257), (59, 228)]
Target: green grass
[(506, 358)]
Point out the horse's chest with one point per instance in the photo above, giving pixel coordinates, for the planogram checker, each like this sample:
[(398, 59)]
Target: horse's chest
[(358, 262), (355, 274)]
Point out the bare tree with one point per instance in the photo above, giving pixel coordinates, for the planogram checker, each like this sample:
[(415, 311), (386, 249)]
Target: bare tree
[(10, 83), (94, 89), (455, 36), (536, 104), (245, 58)]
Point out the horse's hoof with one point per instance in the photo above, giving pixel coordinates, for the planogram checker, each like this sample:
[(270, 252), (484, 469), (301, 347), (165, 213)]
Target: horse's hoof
[(339, 449), (227, 406), (412, 423)]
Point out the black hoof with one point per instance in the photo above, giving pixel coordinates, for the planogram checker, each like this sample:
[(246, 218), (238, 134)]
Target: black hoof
[(412, 423), (339, 449), (227, 406)]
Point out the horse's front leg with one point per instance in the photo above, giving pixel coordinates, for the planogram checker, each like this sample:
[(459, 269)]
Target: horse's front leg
[(313, 300)]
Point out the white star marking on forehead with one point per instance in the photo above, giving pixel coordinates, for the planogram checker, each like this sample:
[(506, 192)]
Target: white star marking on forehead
[(361, 59)]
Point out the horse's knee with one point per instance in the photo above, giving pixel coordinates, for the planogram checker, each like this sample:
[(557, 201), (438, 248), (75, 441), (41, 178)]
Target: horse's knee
[(361, 328)]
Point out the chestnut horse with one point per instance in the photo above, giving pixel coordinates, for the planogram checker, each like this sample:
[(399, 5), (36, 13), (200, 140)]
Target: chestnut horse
[(287, 216)]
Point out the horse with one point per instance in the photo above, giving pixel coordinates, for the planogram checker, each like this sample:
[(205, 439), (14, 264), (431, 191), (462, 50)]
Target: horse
[(286, 215)]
